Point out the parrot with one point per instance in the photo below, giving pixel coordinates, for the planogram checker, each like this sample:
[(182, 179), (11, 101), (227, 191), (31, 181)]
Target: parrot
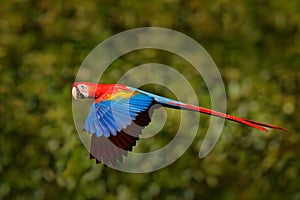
[(119, 113)]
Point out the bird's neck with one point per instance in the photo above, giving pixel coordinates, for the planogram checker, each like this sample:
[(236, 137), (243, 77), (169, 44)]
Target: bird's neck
[(102, 90)]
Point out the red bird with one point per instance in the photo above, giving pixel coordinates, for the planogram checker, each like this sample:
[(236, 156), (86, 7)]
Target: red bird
[(119, 113)]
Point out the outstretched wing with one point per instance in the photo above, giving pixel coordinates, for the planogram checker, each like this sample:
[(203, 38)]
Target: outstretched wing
[(116, 123), (113, 148)]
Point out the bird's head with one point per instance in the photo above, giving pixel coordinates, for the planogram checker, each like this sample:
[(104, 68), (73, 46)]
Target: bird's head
[(82, 90)]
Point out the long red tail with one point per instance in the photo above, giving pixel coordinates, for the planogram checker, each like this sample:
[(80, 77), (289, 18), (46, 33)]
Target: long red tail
[(179, 105), (254, 124)]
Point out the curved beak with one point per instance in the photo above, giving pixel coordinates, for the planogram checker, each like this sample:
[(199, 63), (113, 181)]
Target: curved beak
[(75, 93)]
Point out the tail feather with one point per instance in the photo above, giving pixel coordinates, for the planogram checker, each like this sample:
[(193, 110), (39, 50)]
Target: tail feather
[(258, 125), (267, 125), (179, 105)]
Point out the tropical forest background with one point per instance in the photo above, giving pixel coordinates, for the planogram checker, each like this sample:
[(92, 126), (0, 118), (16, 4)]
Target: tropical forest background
[(256, 46)]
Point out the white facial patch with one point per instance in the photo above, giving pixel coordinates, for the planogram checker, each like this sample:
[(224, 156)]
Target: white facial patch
[(83, 89)]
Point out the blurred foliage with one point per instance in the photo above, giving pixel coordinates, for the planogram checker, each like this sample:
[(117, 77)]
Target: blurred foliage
[(255, 44)]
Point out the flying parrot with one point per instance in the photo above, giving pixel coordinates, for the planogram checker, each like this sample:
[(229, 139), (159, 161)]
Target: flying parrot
[(119, 113)]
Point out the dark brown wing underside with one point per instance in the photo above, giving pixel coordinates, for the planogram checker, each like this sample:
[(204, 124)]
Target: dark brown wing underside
[(113, 148)]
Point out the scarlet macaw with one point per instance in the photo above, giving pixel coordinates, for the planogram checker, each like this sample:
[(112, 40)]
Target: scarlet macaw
[(119, 113)]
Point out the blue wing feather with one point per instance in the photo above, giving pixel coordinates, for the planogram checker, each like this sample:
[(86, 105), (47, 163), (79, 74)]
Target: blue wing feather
[(161, 100), (110, 116)]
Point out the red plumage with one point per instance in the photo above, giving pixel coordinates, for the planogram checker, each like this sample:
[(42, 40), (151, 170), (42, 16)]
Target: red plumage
[(116, 131)]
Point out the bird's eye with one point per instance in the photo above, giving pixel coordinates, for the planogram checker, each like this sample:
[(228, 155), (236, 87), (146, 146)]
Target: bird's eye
[(82, 86)]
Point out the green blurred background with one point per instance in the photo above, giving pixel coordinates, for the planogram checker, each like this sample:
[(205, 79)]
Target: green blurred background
[(255, 44)]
